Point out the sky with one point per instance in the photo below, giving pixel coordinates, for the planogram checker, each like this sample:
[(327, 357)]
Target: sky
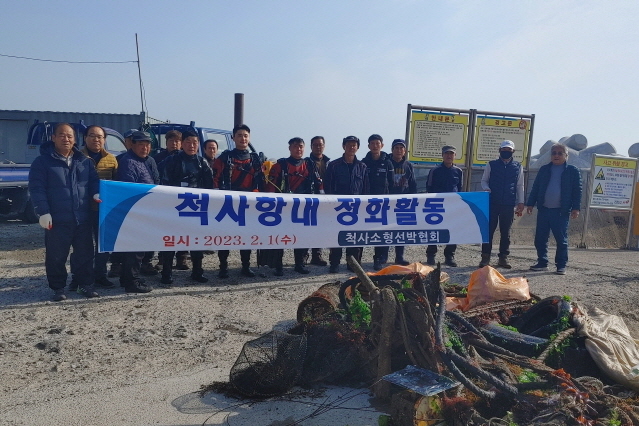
[(330, 68)]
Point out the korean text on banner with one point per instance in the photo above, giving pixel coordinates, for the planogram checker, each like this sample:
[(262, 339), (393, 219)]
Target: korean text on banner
[(140, 217)]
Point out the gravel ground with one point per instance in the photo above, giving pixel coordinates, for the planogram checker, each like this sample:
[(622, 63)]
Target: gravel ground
[(138, 359)]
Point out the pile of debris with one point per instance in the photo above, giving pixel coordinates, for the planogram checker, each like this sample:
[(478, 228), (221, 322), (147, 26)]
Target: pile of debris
[(437, 356)]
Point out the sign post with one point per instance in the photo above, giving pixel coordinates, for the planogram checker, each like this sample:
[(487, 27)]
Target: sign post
[(611, 187)]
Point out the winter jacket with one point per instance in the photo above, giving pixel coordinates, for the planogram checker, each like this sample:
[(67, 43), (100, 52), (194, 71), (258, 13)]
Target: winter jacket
[(570, 188), (61, 190), (380, 173), (138, 170), (107, 166), (445, 179), (187, 171), (340, 180), (503, 182), (238, 170)]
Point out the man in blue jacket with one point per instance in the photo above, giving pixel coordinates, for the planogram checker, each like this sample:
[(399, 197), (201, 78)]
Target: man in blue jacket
[(446, 177), (557, 194), (504, 179), (346, 176), (62, 183)]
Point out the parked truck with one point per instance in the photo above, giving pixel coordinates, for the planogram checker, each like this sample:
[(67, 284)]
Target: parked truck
[(15, 200)]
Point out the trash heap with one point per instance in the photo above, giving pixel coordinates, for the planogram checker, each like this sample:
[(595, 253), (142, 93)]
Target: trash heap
[(489, 353)]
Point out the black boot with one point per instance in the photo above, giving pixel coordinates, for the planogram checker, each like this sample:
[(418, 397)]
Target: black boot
[(316, 257), (167, 270), (224, 270), (198, 272), (399, 256), (245, 255), (300, 257)]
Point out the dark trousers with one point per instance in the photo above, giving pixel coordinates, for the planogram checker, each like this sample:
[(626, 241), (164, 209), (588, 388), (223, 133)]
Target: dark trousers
[(504, 215), (167, 262), (551, 220), (335, 255), (381, 253), (99, 259), (131, 267), (245, 255), (399, 252), (449, 250), (57, 242)]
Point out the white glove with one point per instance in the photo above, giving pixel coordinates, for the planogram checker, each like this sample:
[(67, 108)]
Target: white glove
[(97, 199), (45, 221)]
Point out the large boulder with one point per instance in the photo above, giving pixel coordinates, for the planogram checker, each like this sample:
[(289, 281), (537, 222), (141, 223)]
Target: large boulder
[(633, 151), (576, 142)]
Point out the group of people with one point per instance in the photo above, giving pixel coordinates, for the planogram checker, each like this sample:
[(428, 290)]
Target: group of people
[(64, 186)]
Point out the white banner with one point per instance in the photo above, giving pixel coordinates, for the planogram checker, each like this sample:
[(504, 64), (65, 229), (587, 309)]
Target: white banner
[(140, 217)]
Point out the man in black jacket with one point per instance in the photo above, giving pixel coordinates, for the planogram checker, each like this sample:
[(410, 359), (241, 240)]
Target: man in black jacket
[(186, 170), (321, 162), (346, 176), (403, 183), (380, 181), (62, 182), (446, 177)]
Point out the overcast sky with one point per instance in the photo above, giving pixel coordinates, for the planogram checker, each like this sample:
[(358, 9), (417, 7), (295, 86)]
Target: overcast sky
[(332, 68)]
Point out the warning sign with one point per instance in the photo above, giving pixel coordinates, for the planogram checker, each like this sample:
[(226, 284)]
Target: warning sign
[(614, 182)]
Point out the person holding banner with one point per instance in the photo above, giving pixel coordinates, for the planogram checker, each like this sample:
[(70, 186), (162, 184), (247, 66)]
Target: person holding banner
[(380, 180), (557, 193), (238, 170), (403, 183), (136, 166), (186, 170), (62, 183), (294, 175), (446, 177), (346, 176), (504, 179), (321, 161)]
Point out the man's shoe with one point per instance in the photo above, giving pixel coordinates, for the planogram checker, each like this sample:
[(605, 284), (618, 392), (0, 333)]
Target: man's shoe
[(166, 282), (199, 278), (430, 260), (539, 267), (401, 261), (300, 269), (116, 269), (103, 282), (224, 273), (503, 262), (485, 260), (279, 271), (137, 287), (181, 266), (318, 261), (377, 265), (59, 296), (87, 292), (450, 261), (334, 269), (561, 271), (247, 272), (148, 269), (73, 285)]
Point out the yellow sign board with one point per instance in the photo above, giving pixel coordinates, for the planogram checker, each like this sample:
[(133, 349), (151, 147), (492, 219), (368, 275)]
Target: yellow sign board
[(430, 132), (614, 182), (492, 131)]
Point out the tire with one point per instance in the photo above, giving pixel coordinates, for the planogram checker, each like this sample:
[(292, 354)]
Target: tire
[(29, 215)]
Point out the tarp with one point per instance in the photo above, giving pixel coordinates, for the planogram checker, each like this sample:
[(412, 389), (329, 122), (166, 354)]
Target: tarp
[(141, 217)]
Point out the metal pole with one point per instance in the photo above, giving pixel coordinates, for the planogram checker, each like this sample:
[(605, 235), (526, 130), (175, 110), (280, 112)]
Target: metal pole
[(137, 49), (584, 230), (238, 117), (470, 146)]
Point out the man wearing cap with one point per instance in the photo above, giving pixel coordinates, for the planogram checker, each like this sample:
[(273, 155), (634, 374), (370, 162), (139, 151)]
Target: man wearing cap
[(446, 177), (504, 179), (403, 183), (62, 183), (380, 180), (321, 161), (136, 166), (346, 176)]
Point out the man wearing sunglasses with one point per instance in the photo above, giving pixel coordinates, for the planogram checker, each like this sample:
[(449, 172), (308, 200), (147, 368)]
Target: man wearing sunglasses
[(557, 194)]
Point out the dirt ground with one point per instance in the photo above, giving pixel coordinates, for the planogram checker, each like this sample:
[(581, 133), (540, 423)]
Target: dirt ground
[(139, 359)]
